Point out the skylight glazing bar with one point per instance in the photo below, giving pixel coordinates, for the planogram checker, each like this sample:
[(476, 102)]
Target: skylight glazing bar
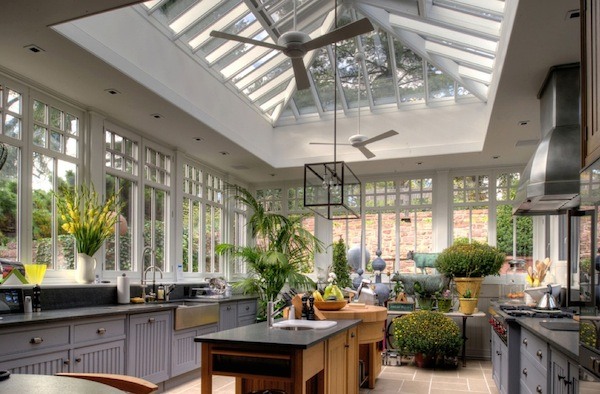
[(475, 23), (427, 29), (460, 56), (232, 16), (273, 102), (222, 50), (241, 82), (192, 15), (394, 67), (152, 4), (494, 8), (266, 88), (244, 61)]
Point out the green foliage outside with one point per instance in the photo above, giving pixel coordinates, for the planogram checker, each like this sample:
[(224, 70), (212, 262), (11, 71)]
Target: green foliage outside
[(340, 264), (504, 232)]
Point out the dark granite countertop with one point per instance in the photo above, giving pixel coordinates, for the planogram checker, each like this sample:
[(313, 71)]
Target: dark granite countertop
[(261, 335)]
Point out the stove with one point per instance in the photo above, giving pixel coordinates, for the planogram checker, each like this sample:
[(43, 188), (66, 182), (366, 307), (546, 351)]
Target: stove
[(528, 311)]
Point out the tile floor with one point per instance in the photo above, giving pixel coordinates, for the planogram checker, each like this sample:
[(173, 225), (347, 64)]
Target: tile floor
[(476, 377)]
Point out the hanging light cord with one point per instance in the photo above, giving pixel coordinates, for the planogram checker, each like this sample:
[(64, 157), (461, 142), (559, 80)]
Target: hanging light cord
[(335, 75)]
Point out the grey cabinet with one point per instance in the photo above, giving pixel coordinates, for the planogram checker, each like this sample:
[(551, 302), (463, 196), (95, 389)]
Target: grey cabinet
[(148, 346), (99, 346), (499, 359), (533, 363), (185, 352), (564, 373), (234, 314)]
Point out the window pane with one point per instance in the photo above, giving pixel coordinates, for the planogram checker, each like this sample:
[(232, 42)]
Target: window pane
[(9, 205), (12, 126)]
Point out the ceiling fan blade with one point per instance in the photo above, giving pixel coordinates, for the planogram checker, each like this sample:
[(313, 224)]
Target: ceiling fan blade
[(300, 73), (381, 136), (368, 154), (227, 36), (327, 143), (345, 32)]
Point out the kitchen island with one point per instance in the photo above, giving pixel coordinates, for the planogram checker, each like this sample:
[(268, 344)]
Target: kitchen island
[(304, 361)]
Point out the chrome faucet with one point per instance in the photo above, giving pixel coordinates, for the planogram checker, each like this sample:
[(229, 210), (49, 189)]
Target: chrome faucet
[(152, 267), (272, 312)]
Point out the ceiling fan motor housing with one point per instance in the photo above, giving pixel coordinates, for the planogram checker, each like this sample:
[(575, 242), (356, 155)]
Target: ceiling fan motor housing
[(357, 139), (293, 42)]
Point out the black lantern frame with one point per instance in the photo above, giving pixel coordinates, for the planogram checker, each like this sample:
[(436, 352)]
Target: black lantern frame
[(332, 190)]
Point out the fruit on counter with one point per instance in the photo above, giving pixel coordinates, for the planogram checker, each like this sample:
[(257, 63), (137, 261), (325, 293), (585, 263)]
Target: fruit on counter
[(137, 300), (333, 290), (517, 294), (317, 296)]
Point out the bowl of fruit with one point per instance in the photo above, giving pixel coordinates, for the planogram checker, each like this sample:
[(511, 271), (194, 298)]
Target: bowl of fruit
[(332, 298)]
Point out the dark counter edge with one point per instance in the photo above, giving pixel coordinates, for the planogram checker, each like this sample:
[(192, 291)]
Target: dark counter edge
[(261, 335), (58, 315)]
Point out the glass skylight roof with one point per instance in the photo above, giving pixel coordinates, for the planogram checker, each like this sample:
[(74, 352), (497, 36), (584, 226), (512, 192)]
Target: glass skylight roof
[(421, 51)]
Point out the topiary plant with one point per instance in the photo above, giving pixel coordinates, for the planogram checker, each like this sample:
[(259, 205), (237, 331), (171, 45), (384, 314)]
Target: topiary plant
[(340, 264), (469, 260), (427, 332)]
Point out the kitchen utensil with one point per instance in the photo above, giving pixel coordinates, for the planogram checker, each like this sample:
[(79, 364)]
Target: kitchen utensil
[(547, 302)]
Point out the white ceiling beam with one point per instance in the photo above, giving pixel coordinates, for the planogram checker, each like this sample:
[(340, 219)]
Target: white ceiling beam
[(246, 60), (272, 84), (452, 17), (476, 75), (258, 73), (442, 33), (192, 15), (460, 56)]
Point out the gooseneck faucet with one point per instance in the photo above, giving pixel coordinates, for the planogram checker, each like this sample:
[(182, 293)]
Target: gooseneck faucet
[(152, 267), (272, 312)]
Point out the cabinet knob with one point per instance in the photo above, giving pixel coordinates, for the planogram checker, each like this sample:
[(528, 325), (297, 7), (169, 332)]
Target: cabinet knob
[(101, 331), (67, 362), (346, 346), (538, 389), (36, 340), (78, 360), (352, 335), (539, 353), (525, 371), (247, 308), (151, 320), (498, 352), (525, 341), (228, 308)]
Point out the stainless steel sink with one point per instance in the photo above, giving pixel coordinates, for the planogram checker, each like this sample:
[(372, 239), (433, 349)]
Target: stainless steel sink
[(192, 314), (560, 325), (296, 325)]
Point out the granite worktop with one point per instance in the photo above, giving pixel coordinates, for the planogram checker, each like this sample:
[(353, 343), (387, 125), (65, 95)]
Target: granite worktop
[(56, 315), (566, 342), (261, 335)]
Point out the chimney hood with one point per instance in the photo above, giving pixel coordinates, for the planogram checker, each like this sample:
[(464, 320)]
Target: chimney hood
[(550, 181)]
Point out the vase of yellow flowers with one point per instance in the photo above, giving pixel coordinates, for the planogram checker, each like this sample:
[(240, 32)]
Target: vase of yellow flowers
[(90, 222)]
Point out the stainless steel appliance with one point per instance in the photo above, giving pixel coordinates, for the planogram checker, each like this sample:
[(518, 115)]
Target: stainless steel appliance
[(585, 259)]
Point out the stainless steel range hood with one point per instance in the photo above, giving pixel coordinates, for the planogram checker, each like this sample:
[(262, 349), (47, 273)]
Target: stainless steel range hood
[(550, 181)]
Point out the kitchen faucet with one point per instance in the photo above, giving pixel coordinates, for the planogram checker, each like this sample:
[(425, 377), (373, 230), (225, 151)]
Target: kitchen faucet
[(271, 312), (152, 267)]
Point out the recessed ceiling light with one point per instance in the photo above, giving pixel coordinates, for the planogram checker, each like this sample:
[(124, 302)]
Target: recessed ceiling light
[(419, 163), (34, 48), (223, 153), (156, 116), (523, 122), (272, 174), (199, 139), (112, 91)]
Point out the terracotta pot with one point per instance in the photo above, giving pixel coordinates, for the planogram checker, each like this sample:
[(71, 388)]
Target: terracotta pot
[(424, 360)]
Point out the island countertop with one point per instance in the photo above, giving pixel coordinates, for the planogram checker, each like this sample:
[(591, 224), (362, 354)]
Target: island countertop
[(261, 335)]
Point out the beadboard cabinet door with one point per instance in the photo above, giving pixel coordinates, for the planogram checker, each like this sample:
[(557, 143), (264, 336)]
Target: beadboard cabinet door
[(149, 346), (41, 364), (185, 352), (105, 358)]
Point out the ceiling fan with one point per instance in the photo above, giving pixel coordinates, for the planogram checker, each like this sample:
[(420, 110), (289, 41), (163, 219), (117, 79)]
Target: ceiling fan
[(360, 140), (295, 44)]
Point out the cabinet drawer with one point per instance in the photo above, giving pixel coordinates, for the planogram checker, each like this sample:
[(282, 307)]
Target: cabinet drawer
[(98, 330), (532, 376), (34, 340), (535, 347), (371, 332), (246, 308)]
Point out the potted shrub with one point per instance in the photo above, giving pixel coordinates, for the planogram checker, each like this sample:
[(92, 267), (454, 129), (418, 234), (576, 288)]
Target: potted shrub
[(430, 336), (467, 263), (467, 303), (444, 300)]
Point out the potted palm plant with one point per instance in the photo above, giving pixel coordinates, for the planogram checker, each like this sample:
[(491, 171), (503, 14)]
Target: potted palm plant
[(467, 263), (281, 248)]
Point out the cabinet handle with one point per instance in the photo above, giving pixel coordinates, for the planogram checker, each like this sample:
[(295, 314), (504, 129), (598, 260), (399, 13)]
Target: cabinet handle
[(539, 353), (538, 389), (525, 341), (346, 346), (352, 335), (525, 371), (67, 362), (498, 352), (36, 340), (151, 320), (78, 360), (247, 308), (561, 378), (567, 382), (228, 308), (101, 331)]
